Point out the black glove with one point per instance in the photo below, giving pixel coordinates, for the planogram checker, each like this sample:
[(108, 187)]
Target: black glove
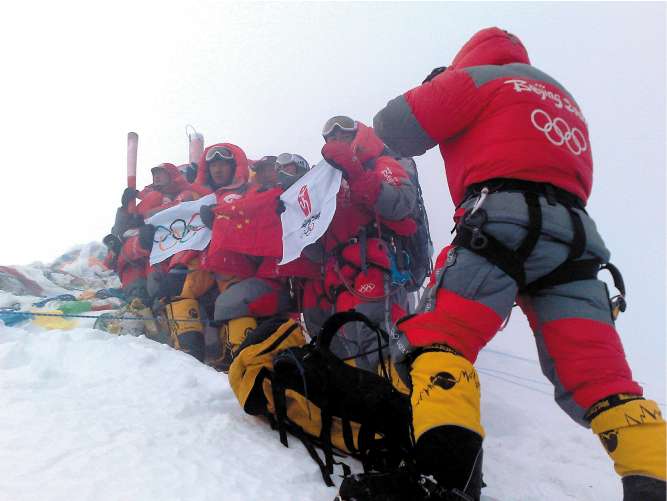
[(191, 172), (128, 195), (146, 234), (207, 216), (434, 73), (280, 206), (135, 221), (113, 243)]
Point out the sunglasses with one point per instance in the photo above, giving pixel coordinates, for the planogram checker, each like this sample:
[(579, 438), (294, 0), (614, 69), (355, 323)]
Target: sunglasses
[(343, 123), (219, 153)]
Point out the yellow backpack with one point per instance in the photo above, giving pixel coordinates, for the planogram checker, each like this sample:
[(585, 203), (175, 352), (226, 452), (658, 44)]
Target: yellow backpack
[(303, 389)]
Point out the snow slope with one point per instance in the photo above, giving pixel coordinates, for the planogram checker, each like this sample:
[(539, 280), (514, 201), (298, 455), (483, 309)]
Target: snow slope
[(87, 415)]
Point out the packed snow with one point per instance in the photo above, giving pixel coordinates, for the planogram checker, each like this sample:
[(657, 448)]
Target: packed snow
[(89, 415)]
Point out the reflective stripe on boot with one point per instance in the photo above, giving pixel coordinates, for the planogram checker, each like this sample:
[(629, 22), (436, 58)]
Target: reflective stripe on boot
[(185, 327), (633, 434)]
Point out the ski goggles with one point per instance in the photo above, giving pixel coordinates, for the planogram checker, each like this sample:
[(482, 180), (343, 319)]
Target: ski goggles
[(264, 162), (285, 159), (219, 153), (343, 123)]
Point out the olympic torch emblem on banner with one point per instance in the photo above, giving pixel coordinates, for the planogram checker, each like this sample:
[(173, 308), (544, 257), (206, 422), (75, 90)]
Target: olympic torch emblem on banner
[(310, 204), (304, 201)]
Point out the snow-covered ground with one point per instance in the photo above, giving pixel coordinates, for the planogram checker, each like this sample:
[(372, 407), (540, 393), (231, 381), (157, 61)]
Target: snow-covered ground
[(88, 415)]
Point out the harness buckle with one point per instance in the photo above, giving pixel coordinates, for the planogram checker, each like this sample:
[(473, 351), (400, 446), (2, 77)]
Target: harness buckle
[(474, 220), (478, 240), (618, 306)]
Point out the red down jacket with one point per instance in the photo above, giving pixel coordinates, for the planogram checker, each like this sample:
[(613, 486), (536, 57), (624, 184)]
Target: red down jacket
[(382, 191), (493, 115), (154, 199), (223, 261)]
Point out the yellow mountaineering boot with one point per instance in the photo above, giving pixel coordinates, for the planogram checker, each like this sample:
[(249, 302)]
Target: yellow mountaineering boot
[(231, 334), (148, 326), (185, 327), (633, 434), (446, 419)]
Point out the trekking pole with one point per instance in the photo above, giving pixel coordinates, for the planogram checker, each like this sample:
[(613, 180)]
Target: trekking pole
[(132, 144)]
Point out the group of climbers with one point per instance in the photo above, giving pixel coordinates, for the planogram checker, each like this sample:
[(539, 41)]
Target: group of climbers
[(348, 268), (126, 254), (519, 168)]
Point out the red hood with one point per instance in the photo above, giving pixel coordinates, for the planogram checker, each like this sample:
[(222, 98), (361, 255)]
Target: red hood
[(491, 46), (366, 144), (240, 174), (177, 182)]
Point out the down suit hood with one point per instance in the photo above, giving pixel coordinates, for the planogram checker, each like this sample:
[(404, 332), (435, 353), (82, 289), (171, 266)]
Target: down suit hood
[(177, 182), (241, 172), (491, 46)]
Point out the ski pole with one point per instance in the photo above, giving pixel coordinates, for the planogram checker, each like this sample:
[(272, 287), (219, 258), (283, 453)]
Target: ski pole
[(132, 144)]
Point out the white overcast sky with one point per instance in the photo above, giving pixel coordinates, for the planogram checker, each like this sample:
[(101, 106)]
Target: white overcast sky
[(77, 76)]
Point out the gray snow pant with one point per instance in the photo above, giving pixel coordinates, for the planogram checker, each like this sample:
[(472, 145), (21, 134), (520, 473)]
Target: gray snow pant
[(252, 297), (468, 299)]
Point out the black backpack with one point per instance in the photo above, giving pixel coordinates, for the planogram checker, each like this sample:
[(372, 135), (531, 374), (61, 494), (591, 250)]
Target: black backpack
[(416, 249), (308, 392)]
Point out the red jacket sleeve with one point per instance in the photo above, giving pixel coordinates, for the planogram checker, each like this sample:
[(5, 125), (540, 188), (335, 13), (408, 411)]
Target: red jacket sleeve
[(416, 121), (446, 105)]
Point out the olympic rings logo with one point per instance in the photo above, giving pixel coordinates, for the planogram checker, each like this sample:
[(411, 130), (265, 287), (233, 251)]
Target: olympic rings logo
[(179, 231), (309, 224), (559, 132), (366, 288)]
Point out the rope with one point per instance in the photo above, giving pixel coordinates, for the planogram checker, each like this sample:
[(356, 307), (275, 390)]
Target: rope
[(509, 355), (107, 317), (509, 374), (482, 371)]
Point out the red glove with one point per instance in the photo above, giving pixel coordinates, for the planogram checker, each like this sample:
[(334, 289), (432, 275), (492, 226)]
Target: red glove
[(185, 196), (341, 156), (365, 189)]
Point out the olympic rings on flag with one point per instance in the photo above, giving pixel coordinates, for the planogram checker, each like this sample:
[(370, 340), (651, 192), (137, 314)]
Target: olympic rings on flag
[(178, 232)]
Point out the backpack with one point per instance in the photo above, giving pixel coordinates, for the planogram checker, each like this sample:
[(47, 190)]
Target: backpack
[(305, 390), (415, 253)]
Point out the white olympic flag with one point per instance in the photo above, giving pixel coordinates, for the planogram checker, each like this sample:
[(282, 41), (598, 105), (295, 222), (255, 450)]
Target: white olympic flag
[(310, 204), (179, 228)]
